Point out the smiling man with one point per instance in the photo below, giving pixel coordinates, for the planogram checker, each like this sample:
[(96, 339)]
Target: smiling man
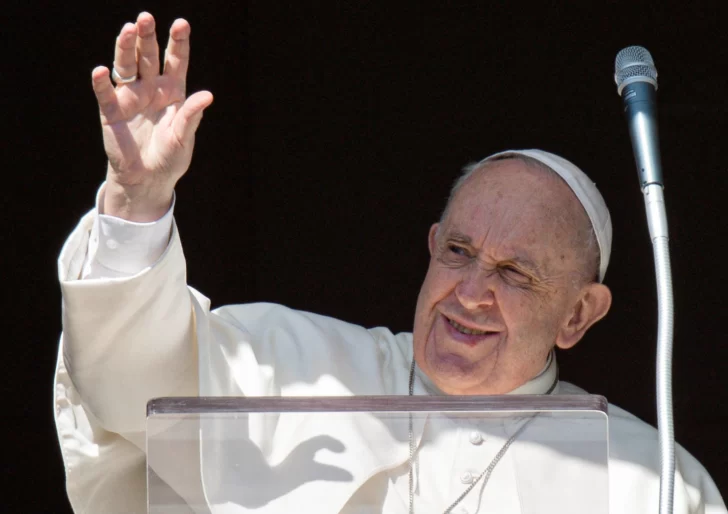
[(516, 265), (511, 274)]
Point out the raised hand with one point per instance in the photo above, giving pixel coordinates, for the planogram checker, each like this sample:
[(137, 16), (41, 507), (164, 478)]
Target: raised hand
[(148, 124)]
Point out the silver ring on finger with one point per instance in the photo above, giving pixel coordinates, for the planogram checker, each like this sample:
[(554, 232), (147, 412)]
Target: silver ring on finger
[(121, 80)]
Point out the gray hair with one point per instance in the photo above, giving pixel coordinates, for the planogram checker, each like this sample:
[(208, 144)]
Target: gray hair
[(586, 244)]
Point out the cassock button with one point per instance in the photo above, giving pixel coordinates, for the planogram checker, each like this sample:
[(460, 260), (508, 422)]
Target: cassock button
[(466, 478), (475, 438)]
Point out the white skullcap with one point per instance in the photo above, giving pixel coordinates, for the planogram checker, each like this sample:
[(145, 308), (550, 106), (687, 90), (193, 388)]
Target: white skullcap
[(585, 190)]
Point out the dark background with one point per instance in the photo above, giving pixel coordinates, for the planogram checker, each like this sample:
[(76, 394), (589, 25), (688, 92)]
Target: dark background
[(336, 132)]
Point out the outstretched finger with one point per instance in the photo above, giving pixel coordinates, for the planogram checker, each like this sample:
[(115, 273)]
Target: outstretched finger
[(125, 62), (177, 56), (147, 48), (105, 93), (188, 118)]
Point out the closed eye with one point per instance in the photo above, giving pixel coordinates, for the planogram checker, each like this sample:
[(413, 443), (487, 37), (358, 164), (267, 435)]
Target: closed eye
[(511, 269), (515, 274)]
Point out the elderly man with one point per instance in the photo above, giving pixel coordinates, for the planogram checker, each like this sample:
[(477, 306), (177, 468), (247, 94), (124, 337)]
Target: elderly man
[(516, 267)]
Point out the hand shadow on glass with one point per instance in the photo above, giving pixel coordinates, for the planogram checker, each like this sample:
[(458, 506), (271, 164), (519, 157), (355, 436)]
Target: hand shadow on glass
[(245, 478)]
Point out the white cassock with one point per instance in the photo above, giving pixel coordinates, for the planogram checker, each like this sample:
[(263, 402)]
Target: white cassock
[(134, 330)]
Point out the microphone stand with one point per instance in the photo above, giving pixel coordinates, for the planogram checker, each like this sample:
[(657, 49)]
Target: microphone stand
[(643, 131), (657, 222)]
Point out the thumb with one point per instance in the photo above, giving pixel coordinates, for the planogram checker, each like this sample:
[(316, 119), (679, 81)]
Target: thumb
[(188, 118)]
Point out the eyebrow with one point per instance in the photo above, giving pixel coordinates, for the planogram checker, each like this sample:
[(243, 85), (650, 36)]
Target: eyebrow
[(458, 236)]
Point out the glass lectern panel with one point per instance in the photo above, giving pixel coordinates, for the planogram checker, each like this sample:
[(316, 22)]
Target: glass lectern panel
[(385, 454)]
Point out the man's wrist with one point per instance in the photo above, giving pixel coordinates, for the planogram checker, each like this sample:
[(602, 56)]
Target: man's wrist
[(135, 203)]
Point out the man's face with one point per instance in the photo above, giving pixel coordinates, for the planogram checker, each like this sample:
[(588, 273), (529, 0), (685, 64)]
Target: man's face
[(502, 281)]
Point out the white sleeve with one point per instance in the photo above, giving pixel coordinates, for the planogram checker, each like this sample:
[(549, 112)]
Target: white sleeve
[(119, 248), (129, 334)]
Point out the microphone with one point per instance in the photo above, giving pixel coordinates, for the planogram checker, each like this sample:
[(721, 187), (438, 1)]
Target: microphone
[(636, 78)]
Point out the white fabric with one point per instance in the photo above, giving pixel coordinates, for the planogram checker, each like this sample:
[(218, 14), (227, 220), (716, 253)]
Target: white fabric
[(120, 248), (129, 339), (587, 193)]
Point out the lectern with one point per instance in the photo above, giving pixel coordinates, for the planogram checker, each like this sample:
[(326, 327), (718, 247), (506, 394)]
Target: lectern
[(530, 454)]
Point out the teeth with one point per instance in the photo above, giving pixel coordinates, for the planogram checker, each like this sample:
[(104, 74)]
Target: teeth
[(465, 330)]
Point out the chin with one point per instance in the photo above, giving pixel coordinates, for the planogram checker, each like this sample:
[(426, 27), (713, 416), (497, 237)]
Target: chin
[(451, 373)]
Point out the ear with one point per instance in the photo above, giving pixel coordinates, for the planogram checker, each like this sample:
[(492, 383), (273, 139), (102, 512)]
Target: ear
[(592, 305), (432, 238)]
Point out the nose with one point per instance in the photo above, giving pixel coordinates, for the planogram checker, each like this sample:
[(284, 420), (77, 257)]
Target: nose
[(477, 288)]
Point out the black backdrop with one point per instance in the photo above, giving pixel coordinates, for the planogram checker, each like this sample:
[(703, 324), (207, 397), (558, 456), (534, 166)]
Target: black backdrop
[(336, 132)]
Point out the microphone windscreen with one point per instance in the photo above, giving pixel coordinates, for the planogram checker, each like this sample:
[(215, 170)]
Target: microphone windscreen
[(634, 64)]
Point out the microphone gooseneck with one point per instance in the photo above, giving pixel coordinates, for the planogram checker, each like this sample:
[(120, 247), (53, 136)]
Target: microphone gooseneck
[(636, 78)]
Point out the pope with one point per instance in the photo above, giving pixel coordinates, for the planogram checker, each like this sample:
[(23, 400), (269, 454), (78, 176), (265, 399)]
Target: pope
[(517, 263)]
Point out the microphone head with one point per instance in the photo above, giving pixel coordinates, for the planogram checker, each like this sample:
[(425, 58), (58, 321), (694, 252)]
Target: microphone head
[(634, 64)]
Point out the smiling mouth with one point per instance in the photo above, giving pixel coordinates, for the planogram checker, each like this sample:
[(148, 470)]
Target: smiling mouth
[(465, 330)]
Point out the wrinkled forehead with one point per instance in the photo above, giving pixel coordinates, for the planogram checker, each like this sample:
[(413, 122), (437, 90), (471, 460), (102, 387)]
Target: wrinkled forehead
[(516, 206), (513, 184)]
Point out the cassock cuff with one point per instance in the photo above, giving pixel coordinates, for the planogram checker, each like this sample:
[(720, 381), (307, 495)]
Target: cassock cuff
[(119, 248)]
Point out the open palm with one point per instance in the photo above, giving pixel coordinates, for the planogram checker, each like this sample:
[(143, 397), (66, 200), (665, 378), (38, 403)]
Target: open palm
[(148, 124)]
